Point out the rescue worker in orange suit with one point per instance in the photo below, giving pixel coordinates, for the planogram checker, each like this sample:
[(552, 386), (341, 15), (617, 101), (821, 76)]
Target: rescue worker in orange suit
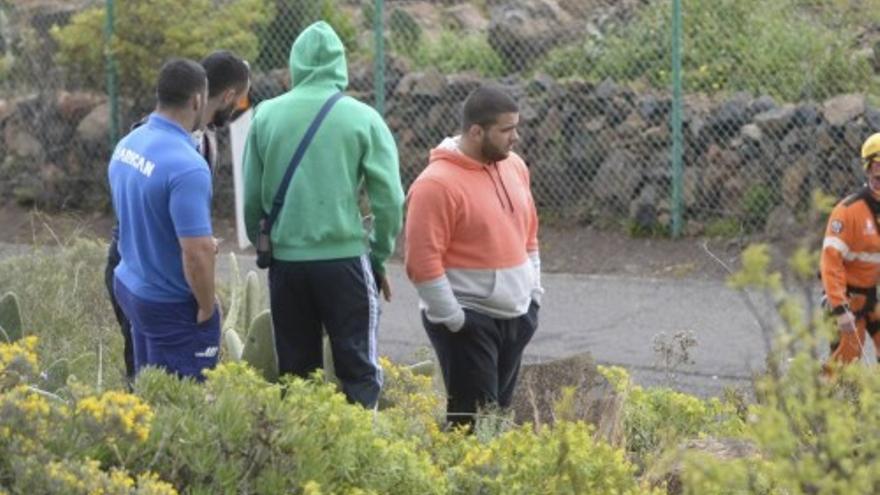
[(850, 263)]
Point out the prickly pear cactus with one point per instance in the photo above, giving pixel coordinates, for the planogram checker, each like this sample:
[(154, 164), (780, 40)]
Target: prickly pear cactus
[(10, 317), (233, 315), (233, 344), (329, 367), (253, 298), (55, 377), (424, 368), (259, 347)]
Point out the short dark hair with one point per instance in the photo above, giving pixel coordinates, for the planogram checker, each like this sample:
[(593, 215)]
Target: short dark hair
[(179, 80), (483, 106), (225, 71)]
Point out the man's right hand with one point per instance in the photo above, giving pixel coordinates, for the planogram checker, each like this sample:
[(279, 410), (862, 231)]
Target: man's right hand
[(846, 322)]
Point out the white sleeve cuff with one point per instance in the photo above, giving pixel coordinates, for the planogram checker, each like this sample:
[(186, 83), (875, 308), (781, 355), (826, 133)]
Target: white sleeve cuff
[(537, 290), (441, 306)]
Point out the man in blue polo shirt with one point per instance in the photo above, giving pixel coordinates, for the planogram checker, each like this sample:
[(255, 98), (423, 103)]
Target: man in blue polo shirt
[(228, 87), (161, 188)]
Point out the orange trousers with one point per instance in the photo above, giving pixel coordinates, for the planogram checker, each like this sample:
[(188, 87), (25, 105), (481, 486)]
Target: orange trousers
[(849, 345)]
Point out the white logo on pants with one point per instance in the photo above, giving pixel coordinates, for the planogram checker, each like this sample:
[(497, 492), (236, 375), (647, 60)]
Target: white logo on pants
[(209, 352)]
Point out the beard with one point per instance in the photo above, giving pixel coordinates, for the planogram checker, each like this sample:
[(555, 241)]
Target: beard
[(492, 153), (221, 116)]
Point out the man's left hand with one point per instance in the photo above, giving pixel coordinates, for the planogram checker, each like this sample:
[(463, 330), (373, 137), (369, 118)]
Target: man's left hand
[(382, 285)]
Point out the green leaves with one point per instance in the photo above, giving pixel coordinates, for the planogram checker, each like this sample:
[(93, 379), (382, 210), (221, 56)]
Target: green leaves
[(792, 49), (10, 317), (755, 263), (147, 32)]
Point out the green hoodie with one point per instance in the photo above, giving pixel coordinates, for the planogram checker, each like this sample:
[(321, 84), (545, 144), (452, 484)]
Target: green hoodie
[(320, 218)]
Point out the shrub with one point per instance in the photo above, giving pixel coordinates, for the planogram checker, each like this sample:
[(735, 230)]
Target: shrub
[(238, 433), (290, 18), (657, 418), (561, 460), (406, 35), (811, 430), (49, 445), (790, 49), (456, 52), (149, 31), (758, 201), (724, 227)]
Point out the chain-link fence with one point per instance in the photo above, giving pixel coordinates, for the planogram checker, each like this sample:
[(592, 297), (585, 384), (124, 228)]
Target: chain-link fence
[(776, 95)]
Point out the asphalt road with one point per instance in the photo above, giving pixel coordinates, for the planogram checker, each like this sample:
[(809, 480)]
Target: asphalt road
[(615, 319)]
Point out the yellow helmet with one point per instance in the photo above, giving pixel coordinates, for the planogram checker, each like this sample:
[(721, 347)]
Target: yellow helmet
[(871, 149)]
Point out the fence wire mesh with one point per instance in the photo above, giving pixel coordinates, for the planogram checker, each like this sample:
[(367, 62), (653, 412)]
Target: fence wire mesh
[(778, 95)]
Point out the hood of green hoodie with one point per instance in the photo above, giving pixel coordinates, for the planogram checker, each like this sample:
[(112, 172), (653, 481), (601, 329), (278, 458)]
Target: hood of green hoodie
[(317, 58)]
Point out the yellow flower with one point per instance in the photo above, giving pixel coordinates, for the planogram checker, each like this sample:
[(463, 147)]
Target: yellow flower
[(312, 488), (150, 484), (18, 359), (117, 414)]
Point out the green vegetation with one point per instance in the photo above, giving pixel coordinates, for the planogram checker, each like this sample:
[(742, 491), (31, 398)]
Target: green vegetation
[(456, 52), (144, 37), (406, 35), (61, 292), (290, 17), (238, 433), (725, 228), (758, 201), (808, 426), (791, 49)]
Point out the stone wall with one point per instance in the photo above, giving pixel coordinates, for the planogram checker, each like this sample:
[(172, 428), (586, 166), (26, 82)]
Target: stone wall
[(596, 151)]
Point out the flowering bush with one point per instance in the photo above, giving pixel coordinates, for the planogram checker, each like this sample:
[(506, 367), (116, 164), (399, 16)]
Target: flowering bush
[(658, 418), (18, 362), (238, 433), (46, 442), (814, 433), (560, 460)]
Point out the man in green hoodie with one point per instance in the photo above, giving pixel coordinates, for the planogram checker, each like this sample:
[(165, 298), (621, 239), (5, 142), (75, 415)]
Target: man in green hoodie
[(325, 271)]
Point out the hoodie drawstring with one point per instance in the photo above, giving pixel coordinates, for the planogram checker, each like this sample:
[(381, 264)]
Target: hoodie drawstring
[(504, 187), (495, 185)]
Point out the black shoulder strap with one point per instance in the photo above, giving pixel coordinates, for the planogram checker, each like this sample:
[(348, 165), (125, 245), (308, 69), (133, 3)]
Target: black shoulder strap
[(873, 205), (298, 156), (863, 194)]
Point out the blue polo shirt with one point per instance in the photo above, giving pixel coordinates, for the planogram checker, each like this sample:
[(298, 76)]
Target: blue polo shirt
[(161, 189)]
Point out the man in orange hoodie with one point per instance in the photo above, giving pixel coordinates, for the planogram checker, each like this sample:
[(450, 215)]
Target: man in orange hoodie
[(472, 254), (850, 262)]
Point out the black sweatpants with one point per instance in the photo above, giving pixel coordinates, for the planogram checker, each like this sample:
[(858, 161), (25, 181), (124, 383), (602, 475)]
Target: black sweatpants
[(480, 362), (113, 259), (341, 296)]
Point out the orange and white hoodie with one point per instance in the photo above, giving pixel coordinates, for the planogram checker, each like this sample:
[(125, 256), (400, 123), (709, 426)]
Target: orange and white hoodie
[(472, 237)]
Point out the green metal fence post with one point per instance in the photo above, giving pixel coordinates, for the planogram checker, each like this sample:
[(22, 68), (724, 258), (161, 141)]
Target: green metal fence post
[(112, 93), (677, 148), (379, 67)]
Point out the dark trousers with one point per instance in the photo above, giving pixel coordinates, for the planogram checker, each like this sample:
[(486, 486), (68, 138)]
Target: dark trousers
[(124, 325), (166, 334), (480, 362), (341, 297)]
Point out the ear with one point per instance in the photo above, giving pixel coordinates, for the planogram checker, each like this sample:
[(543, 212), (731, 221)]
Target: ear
[(229, 96), (475, 132), (198, 102)]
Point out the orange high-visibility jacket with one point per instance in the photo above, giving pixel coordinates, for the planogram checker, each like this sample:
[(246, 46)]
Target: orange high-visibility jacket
[(851, 249)]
